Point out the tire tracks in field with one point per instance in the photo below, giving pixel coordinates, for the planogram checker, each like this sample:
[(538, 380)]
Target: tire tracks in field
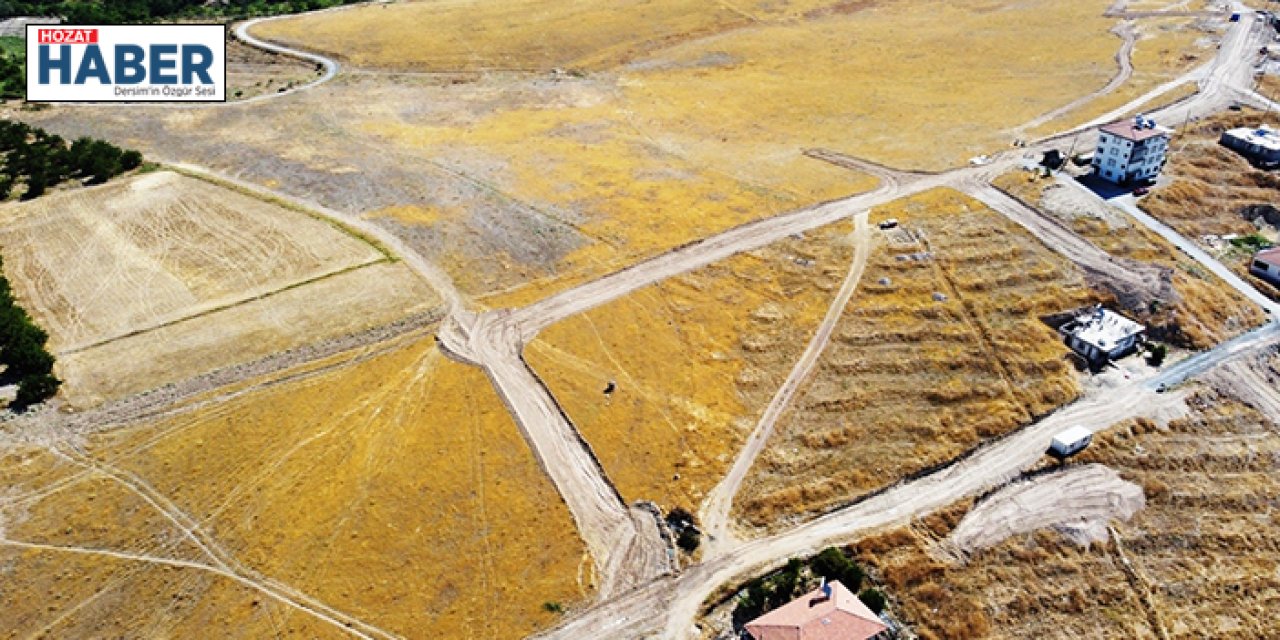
[(716, 508)]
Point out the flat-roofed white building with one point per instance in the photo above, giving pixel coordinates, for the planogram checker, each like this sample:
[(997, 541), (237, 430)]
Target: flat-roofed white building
[(1131, 150), (1100, 335), (1261, 145)]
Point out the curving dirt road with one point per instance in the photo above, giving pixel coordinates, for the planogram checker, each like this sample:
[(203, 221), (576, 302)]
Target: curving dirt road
[(678, 598), (625, 542), (1124, 59), (330, 66)]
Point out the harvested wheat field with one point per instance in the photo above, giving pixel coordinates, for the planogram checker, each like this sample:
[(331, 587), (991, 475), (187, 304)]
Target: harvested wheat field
[(1200, 560), (385, 491), (1196, 310), (151, 279), (695, 359), (941, 348)]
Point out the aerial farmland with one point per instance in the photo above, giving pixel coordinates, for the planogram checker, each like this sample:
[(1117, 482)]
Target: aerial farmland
[(646, 319)]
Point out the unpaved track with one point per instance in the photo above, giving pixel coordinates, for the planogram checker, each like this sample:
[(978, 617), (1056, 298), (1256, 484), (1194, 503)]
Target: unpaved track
[(624, 542), (716, 521), (330, 66), (668, 606), (1124, 58), (1126, 278)]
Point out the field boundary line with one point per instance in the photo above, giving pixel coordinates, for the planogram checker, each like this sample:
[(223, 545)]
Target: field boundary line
[(223, 307), (270, 197)]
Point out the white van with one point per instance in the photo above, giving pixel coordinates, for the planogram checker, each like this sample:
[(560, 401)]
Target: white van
[(1070, 442)]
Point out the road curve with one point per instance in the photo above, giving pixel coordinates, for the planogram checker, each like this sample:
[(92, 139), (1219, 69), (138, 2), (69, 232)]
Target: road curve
[(668, 606), (331, 67)]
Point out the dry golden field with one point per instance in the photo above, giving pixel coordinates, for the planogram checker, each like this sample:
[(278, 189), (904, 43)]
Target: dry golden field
[(1198, 310), (910, 380), (390, 485), (521, 184), (1165, 48), (1204, 552), (695, 359), (160, 277)]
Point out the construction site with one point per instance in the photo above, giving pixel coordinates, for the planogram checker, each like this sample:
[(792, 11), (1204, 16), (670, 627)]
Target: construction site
[(442, 327)]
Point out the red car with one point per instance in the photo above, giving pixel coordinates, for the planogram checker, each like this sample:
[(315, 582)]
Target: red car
[(1141, 191)]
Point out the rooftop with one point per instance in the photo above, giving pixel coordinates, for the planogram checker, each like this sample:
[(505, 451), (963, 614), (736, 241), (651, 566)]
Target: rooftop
[(1263, 136), (1269, 256), (1102, 328), (817, 616), (1131, 130)]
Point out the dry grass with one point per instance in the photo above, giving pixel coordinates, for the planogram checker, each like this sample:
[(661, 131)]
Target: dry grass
[(529, 183), (1200, 311), (471, 35), (393, 487), (162, 277), (695, 358), (1166, 48), (1204, 552), (910, 381)]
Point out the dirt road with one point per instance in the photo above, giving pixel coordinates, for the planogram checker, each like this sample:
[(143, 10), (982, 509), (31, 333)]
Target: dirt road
[(1124, 60), (1132, 282), (625, 542), (716, 522), (677, 599), (330, 67)]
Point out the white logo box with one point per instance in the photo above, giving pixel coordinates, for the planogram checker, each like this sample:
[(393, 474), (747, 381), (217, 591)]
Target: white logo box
[(127, 63)]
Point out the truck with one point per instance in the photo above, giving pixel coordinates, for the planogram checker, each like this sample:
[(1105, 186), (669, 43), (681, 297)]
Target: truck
[(1069, 442)]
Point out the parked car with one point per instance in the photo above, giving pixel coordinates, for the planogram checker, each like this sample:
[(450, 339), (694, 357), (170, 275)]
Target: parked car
[(1141, 191)]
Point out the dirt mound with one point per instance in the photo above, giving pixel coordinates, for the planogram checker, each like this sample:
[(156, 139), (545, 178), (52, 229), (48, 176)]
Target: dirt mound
[(1077, 501)]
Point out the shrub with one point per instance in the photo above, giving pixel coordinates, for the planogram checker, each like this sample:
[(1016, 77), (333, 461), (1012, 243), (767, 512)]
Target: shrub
[(833, 564), (688, 540), (1156, 354), (873, 598)]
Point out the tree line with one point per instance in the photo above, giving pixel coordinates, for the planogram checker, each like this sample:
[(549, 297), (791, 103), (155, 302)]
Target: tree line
[(40, 160), (23, 352), (13, 77), (125, 11)]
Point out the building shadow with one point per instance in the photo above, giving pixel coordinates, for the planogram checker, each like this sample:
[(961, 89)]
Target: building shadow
[(1105, 189)]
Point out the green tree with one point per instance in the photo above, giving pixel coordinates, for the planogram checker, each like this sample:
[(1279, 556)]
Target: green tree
[(1156, 354), (34, 389), (833, 564), (873, 598)]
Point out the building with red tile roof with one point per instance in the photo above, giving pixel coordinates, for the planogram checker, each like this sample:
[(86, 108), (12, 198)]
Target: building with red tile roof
[(830, 612)]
